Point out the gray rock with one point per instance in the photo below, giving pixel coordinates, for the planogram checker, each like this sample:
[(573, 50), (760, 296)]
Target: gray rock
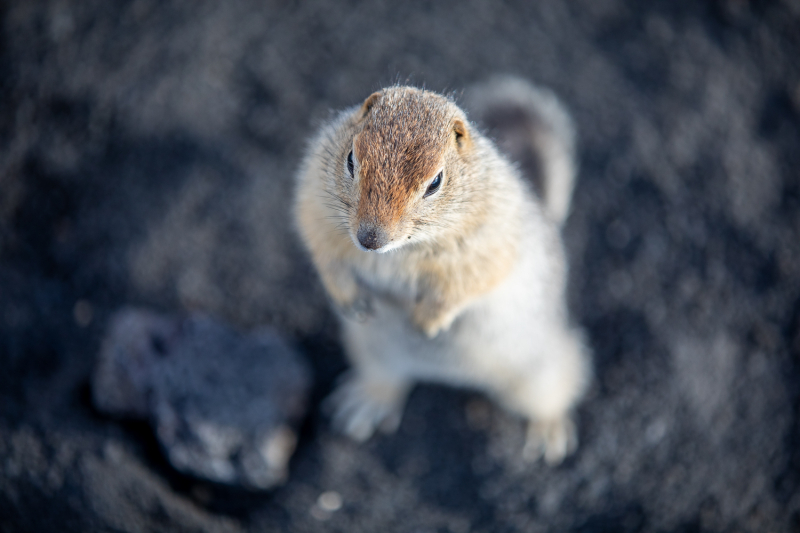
[(223, 404)]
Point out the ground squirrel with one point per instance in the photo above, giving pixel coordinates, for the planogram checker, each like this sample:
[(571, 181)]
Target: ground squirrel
[(444, 264)]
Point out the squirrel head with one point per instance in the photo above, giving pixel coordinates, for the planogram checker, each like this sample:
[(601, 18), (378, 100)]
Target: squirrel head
[(404, 171)]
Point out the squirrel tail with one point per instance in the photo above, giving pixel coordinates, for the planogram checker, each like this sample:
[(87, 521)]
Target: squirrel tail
[(532, 126)]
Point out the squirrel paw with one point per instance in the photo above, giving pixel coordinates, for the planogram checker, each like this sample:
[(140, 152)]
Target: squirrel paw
[(432, 325), (359, 310), (360, 406), (553, 440)]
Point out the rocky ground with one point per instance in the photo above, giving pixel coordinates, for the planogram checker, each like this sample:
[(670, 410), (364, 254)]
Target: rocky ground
[(147, 152)]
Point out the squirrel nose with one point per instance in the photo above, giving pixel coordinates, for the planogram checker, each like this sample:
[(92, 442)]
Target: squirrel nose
[(371, 237)]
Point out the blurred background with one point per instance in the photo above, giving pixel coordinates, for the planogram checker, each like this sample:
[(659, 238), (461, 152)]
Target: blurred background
[(147, 156)]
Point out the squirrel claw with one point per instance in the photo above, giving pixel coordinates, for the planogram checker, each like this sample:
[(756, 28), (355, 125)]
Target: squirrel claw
[(359, 310), (432, 328), (431, 332)]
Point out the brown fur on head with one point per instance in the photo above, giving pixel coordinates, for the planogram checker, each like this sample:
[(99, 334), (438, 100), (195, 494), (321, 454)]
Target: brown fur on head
[(406, 137)]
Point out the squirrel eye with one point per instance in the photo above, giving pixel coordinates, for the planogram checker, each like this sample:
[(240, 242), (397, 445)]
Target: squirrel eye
[(434, 186), (350, 166)]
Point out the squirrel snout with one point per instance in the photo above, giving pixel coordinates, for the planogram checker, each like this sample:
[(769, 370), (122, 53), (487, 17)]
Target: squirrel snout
[(371, 237)]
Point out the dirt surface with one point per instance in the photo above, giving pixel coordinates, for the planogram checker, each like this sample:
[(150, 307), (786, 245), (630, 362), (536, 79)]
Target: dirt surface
[(147, 153)]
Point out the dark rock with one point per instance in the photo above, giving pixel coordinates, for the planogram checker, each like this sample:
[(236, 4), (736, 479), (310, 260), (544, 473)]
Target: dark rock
[(223, 405)]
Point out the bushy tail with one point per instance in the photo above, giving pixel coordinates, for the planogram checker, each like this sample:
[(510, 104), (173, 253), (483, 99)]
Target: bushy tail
[(532, 126)]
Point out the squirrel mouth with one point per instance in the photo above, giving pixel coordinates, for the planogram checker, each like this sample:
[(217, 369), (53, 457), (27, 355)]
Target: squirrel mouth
[(382, 250)]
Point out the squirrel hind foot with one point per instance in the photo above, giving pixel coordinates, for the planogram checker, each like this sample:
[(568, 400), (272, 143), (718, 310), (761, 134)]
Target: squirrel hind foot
[(552, 440), (359, 406)]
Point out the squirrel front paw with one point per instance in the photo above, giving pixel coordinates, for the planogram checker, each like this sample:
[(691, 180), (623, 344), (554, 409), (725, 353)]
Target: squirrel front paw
[(359, 309), (431, 319)]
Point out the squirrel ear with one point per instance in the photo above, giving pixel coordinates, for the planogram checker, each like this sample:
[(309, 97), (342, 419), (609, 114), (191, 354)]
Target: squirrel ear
[(462, 133), (369, 102)]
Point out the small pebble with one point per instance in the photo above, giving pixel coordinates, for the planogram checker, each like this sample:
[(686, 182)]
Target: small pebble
[(330, 501)]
